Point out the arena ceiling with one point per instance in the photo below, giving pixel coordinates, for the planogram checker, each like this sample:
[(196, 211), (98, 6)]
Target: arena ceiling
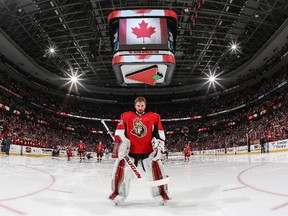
[(78, 29)]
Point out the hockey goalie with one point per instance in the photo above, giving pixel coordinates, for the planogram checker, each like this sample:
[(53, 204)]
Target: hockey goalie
[(140, 137)]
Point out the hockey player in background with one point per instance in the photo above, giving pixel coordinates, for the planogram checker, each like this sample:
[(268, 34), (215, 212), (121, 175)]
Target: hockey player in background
[(99, 151), (106, 151), (187, 152), (69, 150), (142, 138), (81, 150), (8, 142)]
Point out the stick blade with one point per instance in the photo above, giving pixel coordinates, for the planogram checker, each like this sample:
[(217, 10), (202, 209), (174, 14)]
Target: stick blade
[(157, 183)]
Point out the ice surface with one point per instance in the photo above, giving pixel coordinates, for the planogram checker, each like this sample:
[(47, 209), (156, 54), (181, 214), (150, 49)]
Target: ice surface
[(235, 185)]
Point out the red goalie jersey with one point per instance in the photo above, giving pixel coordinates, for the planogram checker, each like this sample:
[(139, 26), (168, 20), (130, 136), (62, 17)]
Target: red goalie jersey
[(140, 130)]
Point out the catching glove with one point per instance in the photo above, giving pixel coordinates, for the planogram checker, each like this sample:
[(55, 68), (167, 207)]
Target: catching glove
[(158, 149)]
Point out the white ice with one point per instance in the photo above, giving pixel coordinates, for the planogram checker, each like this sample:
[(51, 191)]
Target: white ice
[(237, 185)]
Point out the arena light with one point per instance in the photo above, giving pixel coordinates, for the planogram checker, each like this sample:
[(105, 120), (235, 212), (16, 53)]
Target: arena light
[(51, 51), (212, 80), (234, 47), (73, 81)]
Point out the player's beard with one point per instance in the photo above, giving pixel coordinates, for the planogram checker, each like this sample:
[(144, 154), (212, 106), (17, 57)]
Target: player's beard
[(140, 111)]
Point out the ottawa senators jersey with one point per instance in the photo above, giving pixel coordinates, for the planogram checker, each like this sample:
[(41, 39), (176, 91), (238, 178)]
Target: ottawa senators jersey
[(187, 152), (69, 148), (140, 130), (99, 148), (81, 147)]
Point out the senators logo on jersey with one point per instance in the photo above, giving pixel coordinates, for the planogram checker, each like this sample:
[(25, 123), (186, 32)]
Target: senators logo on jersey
[(139, 129)]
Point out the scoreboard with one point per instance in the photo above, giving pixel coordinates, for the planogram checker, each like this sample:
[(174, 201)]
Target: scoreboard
[(143, 43)]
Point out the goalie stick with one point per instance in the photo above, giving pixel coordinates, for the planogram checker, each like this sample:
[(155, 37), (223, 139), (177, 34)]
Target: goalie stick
[(141, 179)]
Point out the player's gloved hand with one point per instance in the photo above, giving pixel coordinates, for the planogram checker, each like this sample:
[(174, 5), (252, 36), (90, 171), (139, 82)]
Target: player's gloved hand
[(158, 149), (121, 147), (158, 144)]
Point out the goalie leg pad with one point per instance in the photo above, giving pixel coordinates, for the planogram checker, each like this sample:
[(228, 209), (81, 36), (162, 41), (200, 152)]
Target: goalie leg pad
[(120, 184), (155, 171), (158, 172)]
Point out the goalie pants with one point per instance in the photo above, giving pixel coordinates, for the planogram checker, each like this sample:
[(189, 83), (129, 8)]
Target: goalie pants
[(122, 175)]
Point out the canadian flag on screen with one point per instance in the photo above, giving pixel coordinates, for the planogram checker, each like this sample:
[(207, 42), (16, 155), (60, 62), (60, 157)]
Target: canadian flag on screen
[(143, 31)]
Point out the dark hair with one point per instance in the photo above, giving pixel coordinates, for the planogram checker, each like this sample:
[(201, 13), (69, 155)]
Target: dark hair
[(139, 99)]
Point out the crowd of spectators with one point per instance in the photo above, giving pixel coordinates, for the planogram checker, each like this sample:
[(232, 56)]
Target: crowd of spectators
[(37, 124)]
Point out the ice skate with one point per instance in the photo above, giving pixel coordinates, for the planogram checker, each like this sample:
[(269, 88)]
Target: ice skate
[(117, 200)]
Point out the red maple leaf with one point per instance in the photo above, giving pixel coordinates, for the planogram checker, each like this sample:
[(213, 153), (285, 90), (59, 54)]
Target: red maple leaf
[(143, 57), (142, 11), (143, 31)]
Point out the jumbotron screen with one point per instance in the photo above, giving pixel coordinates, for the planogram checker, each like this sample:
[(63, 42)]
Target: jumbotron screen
[(143, 33)]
